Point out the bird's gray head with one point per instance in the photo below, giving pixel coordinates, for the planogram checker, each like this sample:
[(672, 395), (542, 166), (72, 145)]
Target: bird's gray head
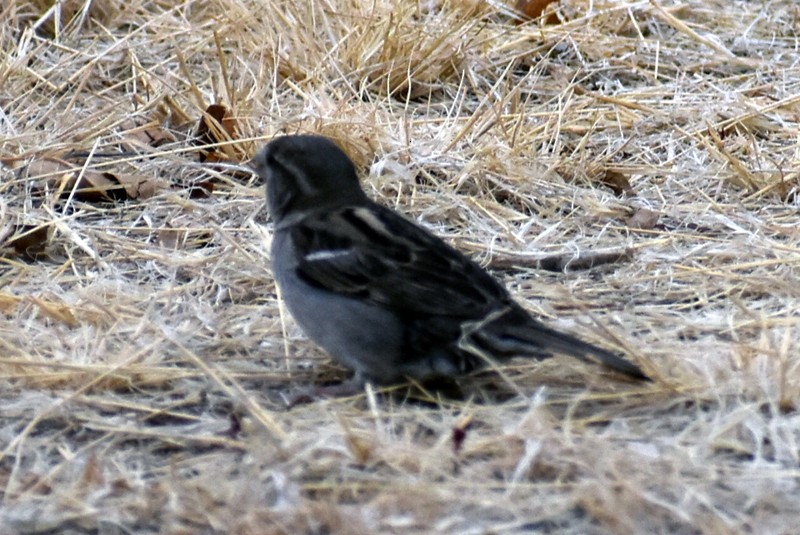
[(306, 172)]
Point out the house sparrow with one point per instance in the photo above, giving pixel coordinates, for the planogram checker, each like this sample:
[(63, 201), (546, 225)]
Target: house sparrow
[(382, 295)]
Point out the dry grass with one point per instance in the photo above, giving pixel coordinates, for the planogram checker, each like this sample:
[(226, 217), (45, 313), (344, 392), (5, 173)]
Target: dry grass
[(145, 358)]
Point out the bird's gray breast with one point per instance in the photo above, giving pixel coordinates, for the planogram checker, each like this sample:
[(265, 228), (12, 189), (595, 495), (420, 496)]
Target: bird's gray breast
[(360, 335)]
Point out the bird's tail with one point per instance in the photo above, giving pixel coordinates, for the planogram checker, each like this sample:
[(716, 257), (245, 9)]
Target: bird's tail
[(507, 336)]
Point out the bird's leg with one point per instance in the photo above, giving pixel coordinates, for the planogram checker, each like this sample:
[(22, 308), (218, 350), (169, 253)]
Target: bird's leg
[(350, 387)]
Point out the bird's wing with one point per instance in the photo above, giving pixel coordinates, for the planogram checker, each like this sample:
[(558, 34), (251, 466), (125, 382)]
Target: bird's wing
[(372, 253), (369, 252)]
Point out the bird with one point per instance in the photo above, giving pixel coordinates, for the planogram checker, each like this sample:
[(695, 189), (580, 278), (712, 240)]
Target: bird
[(382, 295)]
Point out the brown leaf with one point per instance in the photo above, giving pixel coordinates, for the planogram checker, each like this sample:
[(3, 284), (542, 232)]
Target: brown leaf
[(92, 476), (28, 241), (49, 170), (170, 238), (183, 238), (533, 9), (643, 218), (222, 115), (62, 176), (201, 190), (56, 311), (8, 303), (95, 186), (360, 449), (139, 187), (217, 126), (459, 433), (150, 188), (618, 183), (153, 135)]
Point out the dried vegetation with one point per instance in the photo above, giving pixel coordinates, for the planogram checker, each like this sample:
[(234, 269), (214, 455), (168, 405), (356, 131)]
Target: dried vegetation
[(629, 168)]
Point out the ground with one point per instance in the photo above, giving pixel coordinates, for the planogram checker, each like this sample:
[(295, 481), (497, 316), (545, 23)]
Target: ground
[(629, 169)]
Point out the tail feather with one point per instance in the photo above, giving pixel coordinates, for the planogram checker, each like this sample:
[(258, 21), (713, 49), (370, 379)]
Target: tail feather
[(536, 340)]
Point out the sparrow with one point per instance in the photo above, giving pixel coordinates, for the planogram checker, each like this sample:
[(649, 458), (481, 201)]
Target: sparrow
[(382, 295)]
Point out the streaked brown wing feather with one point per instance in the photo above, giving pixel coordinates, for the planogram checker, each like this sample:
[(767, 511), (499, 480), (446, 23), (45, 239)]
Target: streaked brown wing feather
[(372, 252)]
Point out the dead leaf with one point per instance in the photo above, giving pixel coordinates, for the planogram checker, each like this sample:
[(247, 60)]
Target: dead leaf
[(459, 434), (158, 136), (360, 449), (598, 172), (170, 238), (48, 170), (643, 218), (8, 303), (201, 190), (94, 186), (72, 14), (56, 311), (183, 238), (153, 135), (533, 9), (217, 127), (222, 115), (139, 187), (62, 176), (92, 476), (618, 183), (151, 188), (28, 241)]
